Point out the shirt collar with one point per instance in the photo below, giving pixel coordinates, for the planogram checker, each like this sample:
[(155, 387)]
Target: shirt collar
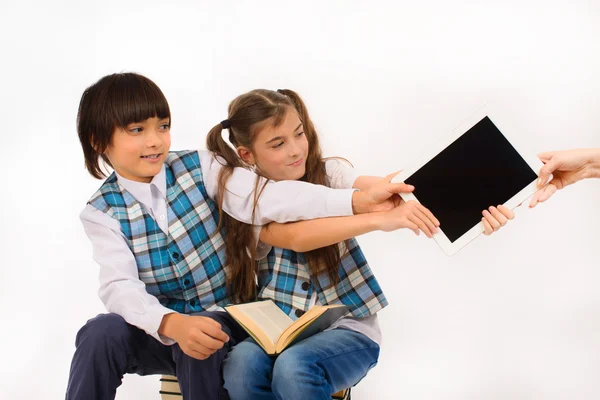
[(141, 190)]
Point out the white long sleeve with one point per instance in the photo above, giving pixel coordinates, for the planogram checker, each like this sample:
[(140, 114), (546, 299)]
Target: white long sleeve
[(282, 201), (121, 290)]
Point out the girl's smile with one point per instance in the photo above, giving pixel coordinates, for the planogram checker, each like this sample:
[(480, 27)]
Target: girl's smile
[(297, 163), (279, 152)]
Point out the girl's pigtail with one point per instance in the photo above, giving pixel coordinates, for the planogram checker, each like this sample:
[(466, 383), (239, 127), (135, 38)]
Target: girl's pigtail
[(216, 144), (220, 148)]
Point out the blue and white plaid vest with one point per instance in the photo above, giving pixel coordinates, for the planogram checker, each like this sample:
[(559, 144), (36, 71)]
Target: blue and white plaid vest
[(184, 270), (285, 277)]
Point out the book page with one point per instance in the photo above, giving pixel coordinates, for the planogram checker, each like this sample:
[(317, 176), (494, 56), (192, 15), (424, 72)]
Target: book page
[(268, 316), (317, 319)]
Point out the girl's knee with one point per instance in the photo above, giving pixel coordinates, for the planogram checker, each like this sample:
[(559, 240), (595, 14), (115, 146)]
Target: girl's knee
[(245, 368), (292, 368)]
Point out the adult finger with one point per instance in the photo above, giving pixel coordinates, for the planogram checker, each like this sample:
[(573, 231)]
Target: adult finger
[(546, 171), (535, 199), (548, 191), (546, 156)]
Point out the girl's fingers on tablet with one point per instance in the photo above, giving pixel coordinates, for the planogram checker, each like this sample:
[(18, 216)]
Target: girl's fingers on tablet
[(422, 226), (507, 212), (429, 215), (491, 220), (500, 217), (487, 228), (413, 227), (423, 217)]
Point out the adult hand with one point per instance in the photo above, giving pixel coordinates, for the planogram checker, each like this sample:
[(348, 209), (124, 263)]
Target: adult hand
[(566, 168)]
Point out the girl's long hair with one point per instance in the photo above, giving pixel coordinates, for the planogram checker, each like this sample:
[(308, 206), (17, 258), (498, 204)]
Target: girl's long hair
[(248, 114)]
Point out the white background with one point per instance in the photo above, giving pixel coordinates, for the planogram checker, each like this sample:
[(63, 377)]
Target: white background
[(514, 316)]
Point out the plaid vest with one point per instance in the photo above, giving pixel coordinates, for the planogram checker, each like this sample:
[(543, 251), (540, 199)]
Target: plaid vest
[(184, 269), (285, 277)]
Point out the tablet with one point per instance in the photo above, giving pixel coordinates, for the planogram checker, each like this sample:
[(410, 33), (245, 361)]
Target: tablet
[(474, 168)]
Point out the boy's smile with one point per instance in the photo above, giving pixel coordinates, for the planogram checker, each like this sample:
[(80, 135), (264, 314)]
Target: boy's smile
[(138, 151)]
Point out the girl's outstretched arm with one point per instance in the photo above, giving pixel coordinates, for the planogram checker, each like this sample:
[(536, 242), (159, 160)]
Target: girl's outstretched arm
[(304, 236)]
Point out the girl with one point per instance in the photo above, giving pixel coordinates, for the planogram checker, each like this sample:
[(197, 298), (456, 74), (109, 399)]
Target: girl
[(153, 228), (274, 136)]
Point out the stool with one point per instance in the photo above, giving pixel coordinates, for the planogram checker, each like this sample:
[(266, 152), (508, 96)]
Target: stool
[(169, 390)]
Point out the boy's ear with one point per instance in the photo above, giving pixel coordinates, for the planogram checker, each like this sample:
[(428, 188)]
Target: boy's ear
[(246, 155), (96, 149), (95, 146)]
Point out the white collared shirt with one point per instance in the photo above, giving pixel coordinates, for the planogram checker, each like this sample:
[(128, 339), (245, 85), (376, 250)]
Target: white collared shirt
[(121, 290)]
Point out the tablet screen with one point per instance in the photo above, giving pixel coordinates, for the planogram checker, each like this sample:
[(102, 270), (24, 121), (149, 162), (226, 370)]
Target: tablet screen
[(479, 169)]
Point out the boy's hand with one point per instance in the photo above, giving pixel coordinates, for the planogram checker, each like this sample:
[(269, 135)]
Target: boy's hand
[(380, 196), (495, 218), (198, 337), (411, 215)]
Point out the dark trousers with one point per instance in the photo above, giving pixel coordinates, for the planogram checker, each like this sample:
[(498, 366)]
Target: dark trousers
[(107, 348)]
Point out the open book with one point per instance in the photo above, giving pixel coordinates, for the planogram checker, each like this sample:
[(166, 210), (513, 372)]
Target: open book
[(273, 330)]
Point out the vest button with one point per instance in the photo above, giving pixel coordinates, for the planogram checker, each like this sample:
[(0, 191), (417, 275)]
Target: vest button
[(299, 313), (186, 282), (192, 302), (305, 285), (176, 255)]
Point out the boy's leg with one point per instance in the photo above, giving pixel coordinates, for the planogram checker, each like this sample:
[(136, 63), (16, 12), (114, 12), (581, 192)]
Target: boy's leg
[(107, 347), (203, 379), (247, 371), (323, 364)]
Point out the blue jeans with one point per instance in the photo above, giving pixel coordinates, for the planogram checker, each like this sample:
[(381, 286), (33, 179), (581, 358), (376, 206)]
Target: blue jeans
[(312, 369)]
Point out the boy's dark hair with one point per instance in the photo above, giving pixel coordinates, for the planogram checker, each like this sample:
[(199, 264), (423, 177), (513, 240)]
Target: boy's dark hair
[(115, 101)]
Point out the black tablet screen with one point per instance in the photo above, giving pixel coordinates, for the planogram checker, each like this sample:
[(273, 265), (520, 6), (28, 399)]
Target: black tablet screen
[(478, 170)]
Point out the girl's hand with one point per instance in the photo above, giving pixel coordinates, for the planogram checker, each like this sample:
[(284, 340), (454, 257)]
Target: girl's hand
[(411, 215), (495, 218)]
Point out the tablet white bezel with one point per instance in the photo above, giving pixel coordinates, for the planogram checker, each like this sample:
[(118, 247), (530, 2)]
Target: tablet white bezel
[(534, 163)]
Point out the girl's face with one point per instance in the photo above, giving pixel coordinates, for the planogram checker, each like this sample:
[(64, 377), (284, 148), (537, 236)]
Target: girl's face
[(138, 152), (279, 153)]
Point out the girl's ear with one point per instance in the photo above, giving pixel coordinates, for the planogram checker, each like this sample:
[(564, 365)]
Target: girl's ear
[(246, 155)]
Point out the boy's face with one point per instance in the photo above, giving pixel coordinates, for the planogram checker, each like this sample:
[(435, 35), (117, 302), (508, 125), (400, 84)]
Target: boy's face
[(280, 153), (139, 151)]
